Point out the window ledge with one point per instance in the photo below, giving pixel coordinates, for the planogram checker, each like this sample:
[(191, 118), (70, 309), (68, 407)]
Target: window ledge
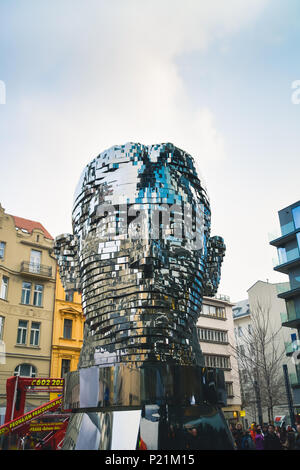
[(31, 305), (68, 339), (27, 347), (214, 342), (212, 316)]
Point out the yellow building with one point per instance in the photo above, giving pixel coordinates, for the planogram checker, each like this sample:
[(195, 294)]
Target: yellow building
[(68, 322)]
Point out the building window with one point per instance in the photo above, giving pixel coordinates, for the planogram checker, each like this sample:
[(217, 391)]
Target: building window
[(249, 329), (298, 240), (217, 336), (229, 389), (67, 329), (4, 288), (1, 327), (220, 362), (38, 295), (65, 366), (25, 370), (22, 332), (213, 311), (35, 261), (296, 216), (26, 293), (69, 296), (35, 334), (244, 375), (240, 331), (2, 250)]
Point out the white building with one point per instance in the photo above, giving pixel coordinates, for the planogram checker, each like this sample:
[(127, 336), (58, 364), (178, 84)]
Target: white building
[(216, 337), (263, 300)]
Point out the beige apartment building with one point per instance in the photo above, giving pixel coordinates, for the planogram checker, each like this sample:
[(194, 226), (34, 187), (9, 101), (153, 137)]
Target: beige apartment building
[(216, 336), (27, 292), (263, 300)]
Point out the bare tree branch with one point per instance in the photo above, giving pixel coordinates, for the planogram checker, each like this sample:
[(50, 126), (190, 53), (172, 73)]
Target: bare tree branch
[(259, 357)]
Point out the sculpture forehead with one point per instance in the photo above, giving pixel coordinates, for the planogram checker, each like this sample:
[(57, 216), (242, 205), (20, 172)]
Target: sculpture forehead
[(136, 173)]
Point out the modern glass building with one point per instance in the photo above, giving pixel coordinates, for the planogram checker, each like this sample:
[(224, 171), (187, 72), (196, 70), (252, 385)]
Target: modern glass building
[(288, 249)]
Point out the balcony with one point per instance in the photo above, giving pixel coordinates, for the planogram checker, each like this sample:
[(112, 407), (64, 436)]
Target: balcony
[(226, 298), (290, 319), (287, 291), (283, 287), (287, 260), (36, 270), (276, 238)]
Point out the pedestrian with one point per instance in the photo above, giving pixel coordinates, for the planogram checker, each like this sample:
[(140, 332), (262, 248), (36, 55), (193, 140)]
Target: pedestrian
[(271, 440), (247, 442), (297, 438), (238, 435), (259, 440), (289, 444), (253, 431), (231, 427), (264, 429), (277, 431), (283, 434)]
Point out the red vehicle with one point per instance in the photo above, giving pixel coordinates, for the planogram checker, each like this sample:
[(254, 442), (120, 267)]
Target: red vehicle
[(38, 429)]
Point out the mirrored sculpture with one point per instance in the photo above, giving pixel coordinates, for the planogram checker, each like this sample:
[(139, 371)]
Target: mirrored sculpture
[(142, 257)]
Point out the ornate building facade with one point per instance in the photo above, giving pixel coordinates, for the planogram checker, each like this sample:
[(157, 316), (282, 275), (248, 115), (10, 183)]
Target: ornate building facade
[(68, 322), (27, 287)]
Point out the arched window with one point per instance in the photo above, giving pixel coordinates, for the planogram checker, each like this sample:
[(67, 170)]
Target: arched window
[(25, 370)]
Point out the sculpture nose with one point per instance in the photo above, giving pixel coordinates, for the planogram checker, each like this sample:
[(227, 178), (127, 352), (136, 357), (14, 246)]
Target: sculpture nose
[(149, 259)]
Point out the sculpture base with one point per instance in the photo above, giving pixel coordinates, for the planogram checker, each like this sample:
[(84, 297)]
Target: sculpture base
[(133, 385), (156, 406), (155, 427)]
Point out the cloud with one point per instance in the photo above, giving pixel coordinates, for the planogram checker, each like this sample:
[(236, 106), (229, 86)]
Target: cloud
[(100, 73)]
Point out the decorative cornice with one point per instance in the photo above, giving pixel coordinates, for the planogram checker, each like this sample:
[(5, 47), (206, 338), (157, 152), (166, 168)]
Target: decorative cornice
[(69, 311)]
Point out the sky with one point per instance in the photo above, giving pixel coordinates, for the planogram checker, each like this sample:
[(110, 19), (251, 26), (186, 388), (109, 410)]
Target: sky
[(214, 78)]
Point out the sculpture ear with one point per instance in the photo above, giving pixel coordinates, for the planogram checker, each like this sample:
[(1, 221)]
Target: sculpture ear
[(215, 254), (66, 252)]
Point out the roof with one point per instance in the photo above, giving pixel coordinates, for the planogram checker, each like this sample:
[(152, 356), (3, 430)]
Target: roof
[(241, 309), (30, 225)]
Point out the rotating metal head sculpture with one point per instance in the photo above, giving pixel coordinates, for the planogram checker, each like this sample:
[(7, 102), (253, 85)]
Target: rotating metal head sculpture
[(141, 255)]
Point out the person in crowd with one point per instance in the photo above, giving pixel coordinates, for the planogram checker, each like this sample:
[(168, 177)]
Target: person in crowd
[(259, 439), (247, 441), (277, 431), (297, 438), (238, 436), (264, 430), (271, 440), (283, 434), (289, 443), (253, 431), (193, 441)]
